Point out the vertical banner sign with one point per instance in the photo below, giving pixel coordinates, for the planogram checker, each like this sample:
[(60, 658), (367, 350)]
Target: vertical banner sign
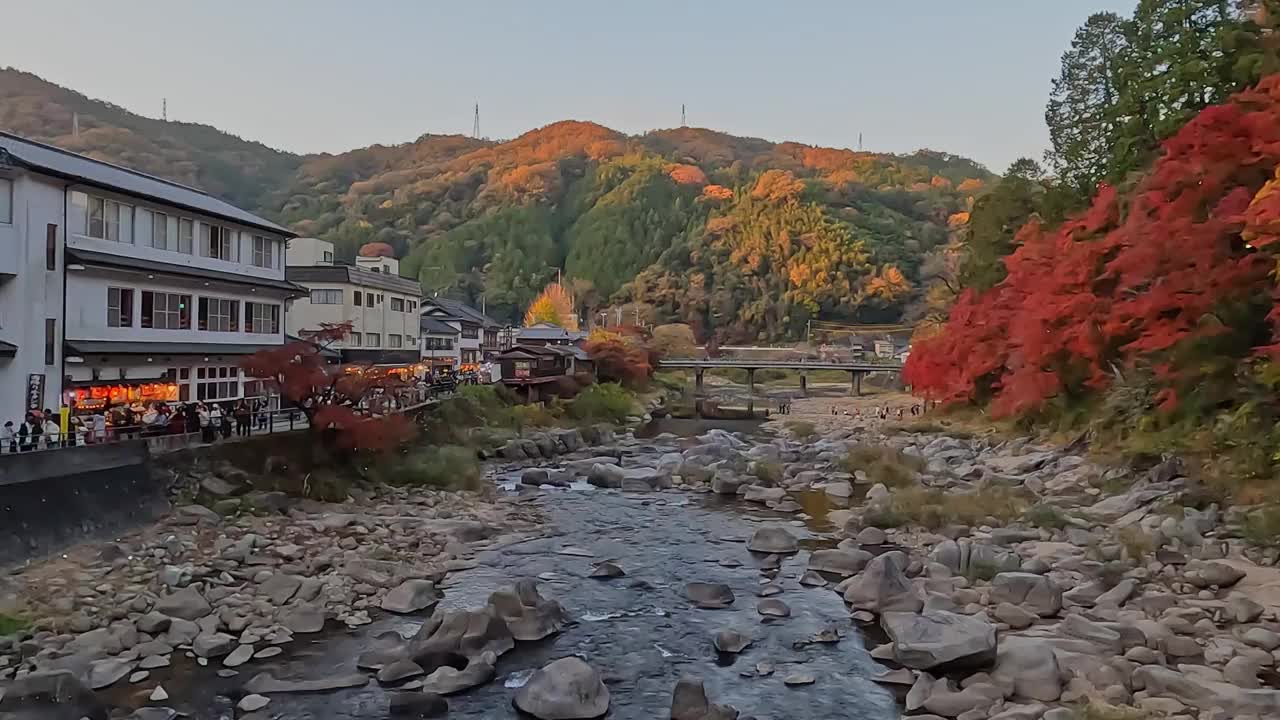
[(35, 390)]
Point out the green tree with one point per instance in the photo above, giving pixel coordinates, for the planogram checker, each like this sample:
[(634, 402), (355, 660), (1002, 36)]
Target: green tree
[(1087, 105), (993, 226)]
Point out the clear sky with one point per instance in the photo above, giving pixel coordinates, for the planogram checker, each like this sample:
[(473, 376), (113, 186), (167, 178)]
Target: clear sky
[(969, 78)]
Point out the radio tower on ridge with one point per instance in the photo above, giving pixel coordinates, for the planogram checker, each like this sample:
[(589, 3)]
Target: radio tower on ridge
[(164, 108), (682, 120), (475, 125)]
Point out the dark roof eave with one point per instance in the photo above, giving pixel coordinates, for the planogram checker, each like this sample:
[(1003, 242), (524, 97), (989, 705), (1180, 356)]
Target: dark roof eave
[(99, 259)]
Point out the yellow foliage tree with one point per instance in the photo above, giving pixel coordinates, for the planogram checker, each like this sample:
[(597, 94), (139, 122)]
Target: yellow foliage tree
[(555, 306)]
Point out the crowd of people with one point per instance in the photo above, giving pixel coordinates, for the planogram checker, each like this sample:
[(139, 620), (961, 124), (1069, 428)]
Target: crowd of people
[(882, 412), (212, 420)]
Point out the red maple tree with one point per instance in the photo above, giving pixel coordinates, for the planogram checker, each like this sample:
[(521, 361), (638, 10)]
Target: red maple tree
[(1147, 279), (344, 404)]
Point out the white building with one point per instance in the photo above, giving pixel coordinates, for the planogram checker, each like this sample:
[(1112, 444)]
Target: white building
[(116, 286), (381, 306), (482, 337)]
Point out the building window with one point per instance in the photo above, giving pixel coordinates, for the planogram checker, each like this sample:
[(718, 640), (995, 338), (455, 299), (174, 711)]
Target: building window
[(326, 297), (263, 252), (119, 307), (166, 311), (6, 201), (160, 231), (50, 340), (368, 299), (50, 247), (186, 234), (490, 337), (105, 219), (410, 341), (217, 383), (397, 304), (356, 297), (470, 331), (354, 339), (261, 318), (218, 242), (219, 315), (328, 256), (372, 339), (393, 341), (470, 357)]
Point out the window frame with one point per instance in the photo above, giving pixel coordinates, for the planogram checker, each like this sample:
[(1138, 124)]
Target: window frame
[(122, 307), (223, 312), (334, 295), (252, 318), (263, 252), (394, 302), (395, 341), (179, 309), (6, 201), (372, 340)]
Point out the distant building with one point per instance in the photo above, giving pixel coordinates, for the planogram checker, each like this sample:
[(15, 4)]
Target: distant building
[(117, 287), (482, 337), (548, 334), (440, 348), (382, 307)]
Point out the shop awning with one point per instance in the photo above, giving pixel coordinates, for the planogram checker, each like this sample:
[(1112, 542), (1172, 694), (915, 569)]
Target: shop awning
[(8, 349), (114, 347)]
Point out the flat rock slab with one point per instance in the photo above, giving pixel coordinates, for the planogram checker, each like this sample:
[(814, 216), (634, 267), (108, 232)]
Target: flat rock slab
[(264, 683)]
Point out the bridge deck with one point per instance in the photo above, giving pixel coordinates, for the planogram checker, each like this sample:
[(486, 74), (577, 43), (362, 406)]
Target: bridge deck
[(749, 364)]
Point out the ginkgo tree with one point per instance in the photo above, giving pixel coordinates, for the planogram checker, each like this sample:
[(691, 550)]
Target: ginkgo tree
[(341, 403)]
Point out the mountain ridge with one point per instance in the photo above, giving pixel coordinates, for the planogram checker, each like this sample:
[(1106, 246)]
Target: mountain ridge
[(694, 223)]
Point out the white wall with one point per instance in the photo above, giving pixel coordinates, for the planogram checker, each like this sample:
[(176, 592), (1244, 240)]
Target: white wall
[(309, 251), (384, 265), (31, 296), (380, 319), (87, 308), (134, 247)]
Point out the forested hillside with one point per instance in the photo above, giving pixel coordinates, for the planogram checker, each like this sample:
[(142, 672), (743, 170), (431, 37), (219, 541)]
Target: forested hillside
[(738, 236)]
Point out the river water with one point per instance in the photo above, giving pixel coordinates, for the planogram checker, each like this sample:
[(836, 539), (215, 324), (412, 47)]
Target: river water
[(639, 631)]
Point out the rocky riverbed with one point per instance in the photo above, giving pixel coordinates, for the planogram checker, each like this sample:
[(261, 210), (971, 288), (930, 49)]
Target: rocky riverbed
[(722, 576)]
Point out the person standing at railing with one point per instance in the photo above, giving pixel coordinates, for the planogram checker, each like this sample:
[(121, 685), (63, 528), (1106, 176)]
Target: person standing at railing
[(99, 426), (52, 433), (243, 417), (8, 438), (206, 423)]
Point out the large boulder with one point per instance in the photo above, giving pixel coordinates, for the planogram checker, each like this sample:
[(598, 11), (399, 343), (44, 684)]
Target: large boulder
[(883, 586), (1036, 593), (606, 476), (645, 479), (761, 494), (528, 615), (411, 596), (1204, 574), (446, 680), (451, 634), (774, 540), (840, 562), (940, 639), (724, 483), (689, 702), (567, 689), (57, 694), (964, 557), (1030, 667), (186, 604), (710, 596)]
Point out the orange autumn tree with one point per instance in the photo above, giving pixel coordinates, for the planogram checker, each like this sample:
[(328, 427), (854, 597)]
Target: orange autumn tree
[(555, 306), (1171, 281), (329, 395)]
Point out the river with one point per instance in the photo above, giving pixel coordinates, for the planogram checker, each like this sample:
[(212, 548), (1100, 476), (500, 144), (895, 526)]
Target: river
[(639, 631)]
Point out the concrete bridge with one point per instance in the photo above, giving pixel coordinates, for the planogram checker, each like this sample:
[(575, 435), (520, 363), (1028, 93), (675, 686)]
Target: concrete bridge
[(856, 369)]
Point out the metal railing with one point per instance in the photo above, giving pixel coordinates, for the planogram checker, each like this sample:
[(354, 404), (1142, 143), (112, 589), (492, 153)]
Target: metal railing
[(174, 435)]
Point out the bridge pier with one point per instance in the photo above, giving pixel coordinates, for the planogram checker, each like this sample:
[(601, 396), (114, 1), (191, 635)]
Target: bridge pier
[(804, 384), (751, 391), (697, 393), (855, 378)]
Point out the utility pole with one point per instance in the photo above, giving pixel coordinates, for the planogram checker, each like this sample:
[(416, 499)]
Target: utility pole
[(75, 124)]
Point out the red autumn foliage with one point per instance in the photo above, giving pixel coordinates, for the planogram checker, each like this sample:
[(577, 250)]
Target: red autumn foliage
[(1136, 281), (621, 355), (330, 395), (377, 249)]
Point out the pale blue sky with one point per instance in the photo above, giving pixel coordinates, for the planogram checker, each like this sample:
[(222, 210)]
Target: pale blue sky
[(330, 75)]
